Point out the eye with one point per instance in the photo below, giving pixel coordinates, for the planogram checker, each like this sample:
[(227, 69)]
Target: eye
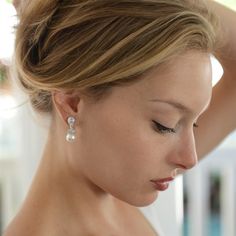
[(162, 129)]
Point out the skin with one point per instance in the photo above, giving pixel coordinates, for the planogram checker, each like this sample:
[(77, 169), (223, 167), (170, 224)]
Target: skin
[(63, 187), (106, 172), (219, 119), (127, 152)]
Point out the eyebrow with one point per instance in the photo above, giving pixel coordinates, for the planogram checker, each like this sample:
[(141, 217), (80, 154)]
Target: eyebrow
[(177, 105)]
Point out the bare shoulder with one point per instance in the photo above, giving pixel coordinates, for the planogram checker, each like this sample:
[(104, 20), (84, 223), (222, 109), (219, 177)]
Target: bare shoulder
[(20, 227)]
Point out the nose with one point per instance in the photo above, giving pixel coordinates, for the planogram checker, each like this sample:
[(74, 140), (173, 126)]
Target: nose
[(184, 155)]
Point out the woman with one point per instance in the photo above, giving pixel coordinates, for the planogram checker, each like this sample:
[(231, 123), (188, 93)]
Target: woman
[(124, 83)]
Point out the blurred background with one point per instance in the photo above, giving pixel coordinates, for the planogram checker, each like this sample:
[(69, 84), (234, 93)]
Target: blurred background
[(200, 203)]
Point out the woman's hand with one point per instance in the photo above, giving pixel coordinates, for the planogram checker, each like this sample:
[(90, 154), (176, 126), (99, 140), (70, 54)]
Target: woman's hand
[(220, 118)]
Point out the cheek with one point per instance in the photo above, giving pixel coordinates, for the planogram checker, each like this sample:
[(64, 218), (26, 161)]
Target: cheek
[(120, 154), (115, 143)]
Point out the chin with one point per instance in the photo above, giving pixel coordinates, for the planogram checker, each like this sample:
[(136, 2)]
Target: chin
[(148, 200), (142, 200)]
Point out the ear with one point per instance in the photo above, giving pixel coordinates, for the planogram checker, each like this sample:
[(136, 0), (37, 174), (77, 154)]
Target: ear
[(66, 104)]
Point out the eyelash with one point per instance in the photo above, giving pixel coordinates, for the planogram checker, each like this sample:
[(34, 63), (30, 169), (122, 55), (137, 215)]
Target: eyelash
[(163, 129)]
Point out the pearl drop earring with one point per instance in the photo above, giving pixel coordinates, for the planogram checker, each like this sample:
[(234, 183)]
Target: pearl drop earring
[(71, 132)]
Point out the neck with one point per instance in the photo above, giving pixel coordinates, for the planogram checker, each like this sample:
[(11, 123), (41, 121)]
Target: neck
[(62, 195)]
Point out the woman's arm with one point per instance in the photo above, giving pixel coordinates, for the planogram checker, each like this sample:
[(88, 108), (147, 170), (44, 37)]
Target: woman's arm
[(220, 118)]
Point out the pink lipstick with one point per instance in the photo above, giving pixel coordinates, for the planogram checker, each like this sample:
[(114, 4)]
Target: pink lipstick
[(162, 184)]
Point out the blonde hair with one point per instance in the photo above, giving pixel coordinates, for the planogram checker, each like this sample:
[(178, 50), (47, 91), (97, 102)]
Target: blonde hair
[(93, 45)]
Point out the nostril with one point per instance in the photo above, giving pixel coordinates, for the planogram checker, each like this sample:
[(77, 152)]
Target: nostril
[(183, 166), (187, 166)]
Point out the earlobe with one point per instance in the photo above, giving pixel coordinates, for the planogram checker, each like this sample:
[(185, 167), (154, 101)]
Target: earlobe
[(65, 104)]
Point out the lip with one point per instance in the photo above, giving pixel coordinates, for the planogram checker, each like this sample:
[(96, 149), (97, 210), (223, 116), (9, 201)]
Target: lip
[(162, 184)]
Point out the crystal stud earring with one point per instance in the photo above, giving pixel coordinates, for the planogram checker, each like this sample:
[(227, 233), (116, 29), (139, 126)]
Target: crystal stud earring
[(71, 133)]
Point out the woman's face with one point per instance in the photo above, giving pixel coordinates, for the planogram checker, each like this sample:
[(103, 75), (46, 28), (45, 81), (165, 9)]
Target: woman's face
[(142, 132)]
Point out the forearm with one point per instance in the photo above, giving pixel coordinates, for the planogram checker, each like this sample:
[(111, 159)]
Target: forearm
[(219, 119), (227, 52)]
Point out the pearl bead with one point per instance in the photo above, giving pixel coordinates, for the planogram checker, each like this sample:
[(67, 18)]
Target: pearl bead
[(70, 136)]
